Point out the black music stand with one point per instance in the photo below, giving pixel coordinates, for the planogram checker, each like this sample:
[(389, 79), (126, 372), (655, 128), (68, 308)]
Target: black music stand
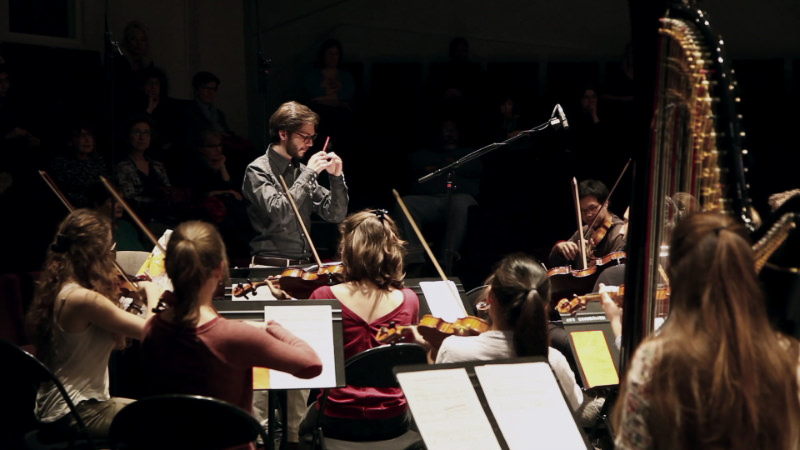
[(510, 416), (255, 310), (591, 341)]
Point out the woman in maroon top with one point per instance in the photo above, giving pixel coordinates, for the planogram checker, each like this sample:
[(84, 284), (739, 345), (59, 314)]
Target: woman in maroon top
[(372, 295), (189, 349)]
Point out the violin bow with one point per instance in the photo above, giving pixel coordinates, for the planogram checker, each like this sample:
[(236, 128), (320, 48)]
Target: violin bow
[(300, 218), (53, 187), (133, 215), (424, 243), (582, 240)]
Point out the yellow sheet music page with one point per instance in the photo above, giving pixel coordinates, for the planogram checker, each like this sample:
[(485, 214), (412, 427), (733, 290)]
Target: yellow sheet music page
[(595, 358)]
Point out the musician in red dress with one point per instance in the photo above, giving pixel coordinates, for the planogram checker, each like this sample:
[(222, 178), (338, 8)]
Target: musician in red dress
[(372, 296)]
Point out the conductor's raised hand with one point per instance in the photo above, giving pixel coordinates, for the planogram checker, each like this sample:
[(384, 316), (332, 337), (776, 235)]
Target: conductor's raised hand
[(319, 161), (335, 166)]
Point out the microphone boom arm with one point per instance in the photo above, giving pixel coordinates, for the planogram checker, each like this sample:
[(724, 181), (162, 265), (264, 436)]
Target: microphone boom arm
[(555, 122)]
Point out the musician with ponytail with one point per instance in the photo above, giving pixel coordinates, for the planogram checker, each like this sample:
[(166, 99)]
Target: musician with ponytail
[(189, 349), (517, 295)]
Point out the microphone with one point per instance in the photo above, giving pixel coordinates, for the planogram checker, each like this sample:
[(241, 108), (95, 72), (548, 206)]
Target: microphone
[(562, 117)]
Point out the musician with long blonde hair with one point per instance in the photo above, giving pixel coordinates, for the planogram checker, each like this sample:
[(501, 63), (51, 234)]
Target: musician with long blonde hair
[(717, 375)]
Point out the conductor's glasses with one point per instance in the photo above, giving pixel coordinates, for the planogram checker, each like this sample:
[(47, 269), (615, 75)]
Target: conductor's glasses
[(308, 138)]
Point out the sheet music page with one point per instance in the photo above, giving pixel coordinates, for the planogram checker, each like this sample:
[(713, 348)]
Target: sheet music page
[(529, 407), (595, 358), (447, 409), (313, 324), (443, 300)]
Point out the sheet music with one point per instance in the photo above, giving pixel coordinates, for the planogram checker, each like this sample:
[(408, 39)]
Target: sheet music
[(443, 300), (528, 406), (313, 324), (594, 357), (447, 409)]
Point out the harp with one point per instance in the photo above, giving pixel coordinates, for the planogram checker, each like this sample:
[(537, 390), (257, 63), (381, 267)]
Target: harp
[(695, 157)]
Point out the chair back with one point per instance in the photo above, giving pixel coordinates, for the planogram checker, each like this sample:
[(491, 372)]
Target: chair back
[(28, 372), (183, 421), (131, 261), (373, 367)]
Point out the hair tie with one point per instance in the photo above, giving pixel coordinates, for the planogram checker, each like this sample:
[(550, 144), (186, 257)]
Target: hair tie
[(62, 244), (718, 229), (380, 213)]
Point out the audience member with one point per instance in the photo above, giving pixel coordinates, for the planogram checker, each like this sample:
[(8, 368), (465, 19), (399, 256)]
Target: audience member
[(217, 195), (76, 322), (129, 67), (190, 349), (433, 202), (202, 114), (372, 296), (17, 134), (142, 180), (165, 111), (716, 372), (331, 92), (458, 89), (126, 235), (80, 166)]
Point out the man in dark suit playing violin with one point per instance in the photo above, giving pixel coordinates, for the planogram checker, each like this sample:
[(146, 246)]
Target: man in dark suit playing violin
[(280, 240), (603, 231)]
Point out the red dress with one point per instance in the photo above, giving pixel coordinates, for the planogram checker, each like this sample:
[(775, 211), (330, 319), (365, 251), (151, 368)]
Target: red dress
[(368, 403)]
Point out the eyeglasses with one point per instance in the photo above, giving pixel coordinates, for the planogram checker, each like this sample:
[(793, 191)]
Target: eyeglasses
[(113, 248), (308, 138), (591, 209)]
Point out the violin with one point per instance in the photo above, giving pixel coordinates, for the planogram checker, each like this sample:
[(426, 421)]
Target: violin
[(599, 234), (127, 288), (579, 302), (433, 329), (301, 282), (294, 282)]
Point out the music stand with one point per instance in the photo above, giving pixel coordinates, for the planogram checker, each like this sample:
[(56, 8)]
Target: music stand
[(255, 310), (593, 348), (483, 412)]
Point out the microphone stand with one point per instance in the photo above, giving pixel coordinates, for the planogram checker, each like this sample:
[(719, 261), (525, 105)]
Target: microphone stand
[(554, 122)]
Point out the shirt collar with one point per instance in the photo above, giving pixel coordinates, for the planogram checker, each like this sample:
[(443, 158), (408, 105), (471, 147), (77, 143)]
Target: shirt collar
[(279, 162)]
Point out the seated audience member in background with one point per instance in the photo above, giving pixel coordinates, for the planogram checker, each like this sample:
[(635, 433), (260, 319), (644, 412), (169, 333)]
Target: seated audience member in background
[(716, 373), (142, 180), (372, 295), (518, 295), (190, 349), (76, 322), (165, 112), (80, 166), (126, 235), (217, 194), (429, 202)]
